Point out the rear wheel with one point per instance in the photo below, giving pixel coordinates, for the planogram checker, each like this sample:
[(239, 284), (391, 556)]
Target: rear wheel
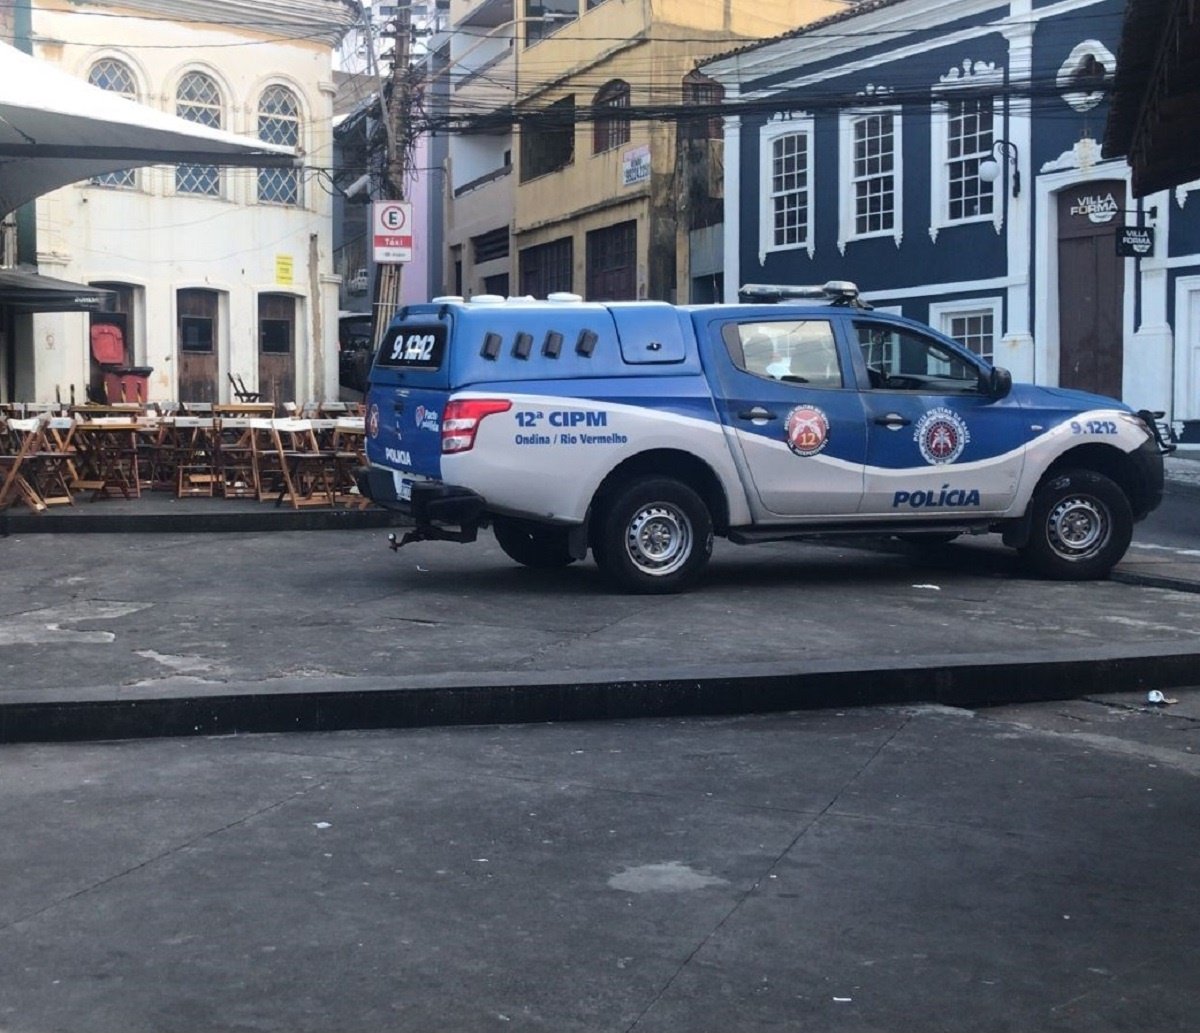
[(1081, 526), (532, 545), (655, 536)]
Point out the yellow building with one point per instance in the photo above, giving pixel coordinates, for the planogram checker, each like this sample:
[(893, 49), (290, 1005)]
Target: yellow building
[(566, 180)]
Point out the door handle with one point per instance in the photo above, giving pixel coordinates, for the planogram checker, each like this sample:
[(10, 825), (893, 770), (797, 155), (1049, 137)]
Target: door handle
[(892, 420), (757, 413)]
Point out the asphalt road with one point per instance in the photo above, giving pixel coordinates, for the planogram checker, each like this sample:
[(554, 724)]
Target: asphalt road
[(877, 868), (862, 868)]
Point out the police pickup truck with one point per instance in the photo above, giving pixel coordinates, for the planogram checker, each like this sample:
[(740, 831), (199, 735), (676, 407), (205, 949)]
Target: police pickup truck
[(639, 430)]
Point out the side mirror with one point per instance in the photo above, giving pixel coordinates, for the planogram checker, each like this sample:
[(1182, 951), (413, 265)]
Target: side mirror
[(998, 383)]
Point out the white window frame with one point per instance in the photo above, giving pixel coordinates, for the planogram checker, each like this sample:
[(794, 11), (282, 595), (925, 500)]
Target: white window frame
[(973, 75), (847, 213), (941, 312), (939, 173), (788, 123)]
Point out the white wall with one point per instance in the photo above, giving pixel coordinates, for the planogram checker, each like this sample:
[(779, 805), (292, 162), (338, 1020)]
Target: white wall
[(162, 242)]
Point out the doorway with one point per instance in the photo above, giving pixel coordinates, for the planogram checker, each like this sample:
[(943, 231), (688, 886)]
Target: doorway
[(277, 348), (1091, 287), (197, 349)]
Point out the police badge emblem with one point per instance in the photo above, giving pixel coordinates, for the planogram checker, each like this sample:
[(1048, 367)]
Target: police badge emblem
[(807, 430), (941, 435)]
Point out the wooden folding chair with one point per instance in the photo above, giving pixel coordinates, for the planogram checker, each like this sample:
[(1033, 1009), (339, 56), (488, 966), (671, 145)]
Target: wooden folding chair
[(240, 391), (107, 449), (195, 459), (349, 453), (50, 466), (18, 441), (305, 476), (236, 472)]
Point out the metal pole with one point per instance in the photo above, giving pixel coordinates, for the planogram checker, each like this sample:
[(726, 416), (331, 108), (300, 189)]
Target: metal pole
[(398, 116)]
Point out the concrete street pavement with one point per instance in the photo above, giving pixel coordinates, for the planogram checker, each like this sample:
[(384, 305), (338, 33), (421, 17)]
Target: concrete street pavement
[(895, 869), (762, 849)]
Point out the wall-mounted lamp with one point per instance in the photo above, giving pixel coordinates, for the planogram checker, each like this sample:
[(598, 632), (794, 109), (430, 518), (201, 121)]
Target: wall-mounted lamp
[(990, 168)]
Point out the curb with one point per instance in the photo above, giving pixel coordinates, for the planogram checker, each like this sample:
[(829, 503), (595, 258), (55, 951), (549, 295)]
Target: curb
[(444, 701), (266, 519)]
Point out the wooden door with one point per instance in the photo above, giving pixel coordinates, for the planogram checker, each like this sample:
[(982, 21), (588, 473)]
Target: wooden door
[(1091, 287), (197, 347), (277, 348), (612, 263)]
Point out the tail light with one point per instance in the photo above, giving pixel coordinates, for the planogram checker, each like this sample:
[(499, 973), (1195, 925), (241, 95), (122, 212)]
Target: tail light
[(461, 420)]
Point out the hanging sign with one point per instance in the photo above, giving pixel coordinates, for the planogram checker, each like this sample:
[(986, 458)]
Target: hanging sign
[(635, 166), (1135, 241), (392, 231)]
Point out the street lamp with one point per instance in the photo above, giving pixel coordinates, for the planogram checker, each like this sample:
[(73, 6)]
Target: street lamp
[(1003, 151)]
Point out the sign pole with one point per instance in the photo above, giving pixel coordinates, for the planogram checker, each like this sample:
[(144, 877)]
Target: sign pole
[(386, 295)]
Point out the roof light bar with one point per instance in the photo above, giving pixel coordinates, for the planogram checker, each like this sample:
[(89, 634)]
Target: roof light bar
[(836, 292)]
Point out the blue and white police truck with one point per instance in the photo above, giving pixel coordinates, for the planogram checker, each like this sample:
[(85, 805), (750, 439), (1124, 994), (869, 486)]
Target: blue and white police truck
[(639, 430)]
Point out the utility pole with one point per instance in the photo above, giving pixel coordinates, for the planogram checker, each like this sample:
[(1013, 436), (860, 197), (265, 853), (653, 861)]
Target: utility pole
[(396, 112)]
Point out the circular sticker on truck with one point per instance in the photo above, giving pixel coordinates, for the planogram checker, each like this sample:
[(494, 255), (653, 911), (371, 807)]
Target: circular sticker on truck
[(941, 435), (807, 430)]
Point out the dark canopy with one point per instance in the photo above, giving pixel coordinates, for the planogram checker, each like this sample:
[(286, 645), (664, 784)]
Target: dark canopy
[(30, 292), (1154, 118)]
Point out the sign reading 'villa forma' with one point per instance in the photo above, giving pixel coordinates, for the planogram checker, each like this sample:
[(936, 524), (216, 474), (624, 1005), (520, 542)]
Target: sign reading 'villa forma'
[(1135, 241)]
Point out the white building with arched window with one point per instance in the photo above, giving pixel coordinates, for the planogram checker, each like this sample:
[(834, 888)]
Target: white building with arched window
[(217, 272)]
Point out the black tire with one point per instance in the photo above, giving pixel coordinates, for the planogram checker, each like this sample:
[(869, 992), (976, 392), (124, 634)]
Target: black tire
[(1081, 526), (655, 537), (532, 545)]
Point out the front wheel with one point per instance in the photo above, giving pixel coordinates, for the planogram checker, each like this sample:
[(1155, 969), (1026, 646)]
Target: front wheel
[(655, 536), (1081, 526), (532, 545)]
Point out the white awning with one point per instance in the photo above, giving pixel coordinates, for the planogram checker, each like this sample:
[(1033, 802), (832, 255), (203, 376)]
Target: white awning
[(56, 129)]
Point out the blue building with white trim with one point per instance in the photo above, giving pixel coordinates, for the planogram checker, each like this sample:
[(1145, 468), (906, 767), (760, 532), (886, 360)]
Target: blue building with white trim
[(946, 157)]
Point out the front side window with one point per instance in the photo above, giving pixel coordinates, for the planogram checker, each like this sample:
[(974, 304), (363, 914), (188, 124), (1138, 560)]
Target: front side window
[(114, 76), (198, 100), (796, 351), (279, 123), (610, 131), (898, 359)]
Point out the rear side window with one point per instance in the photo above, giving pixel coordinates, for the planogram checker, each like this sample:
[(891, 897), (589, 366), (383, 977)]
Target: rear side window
[(413, 347), (798, 351)]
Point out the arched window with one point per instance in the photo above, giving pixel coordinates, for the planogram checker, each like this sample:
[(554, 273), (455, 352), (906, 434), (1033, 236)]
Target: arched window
[(279, 123), (114, 77), (610, 131), (198, 100)]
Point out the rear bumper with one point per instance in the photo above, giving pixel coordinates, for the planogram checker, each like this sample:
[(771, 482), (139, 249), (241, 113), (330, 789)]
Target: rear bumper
[(432, 502)]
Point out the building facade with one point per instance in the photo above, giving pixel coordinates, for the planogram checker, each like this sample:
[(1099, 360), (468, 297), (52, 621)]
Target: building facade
[(215, 271), (561, 176), (947, 159)]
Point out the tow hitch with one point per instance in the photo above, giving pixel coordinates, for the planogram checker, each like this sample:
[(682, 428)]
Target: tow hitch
[(429, 533)]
